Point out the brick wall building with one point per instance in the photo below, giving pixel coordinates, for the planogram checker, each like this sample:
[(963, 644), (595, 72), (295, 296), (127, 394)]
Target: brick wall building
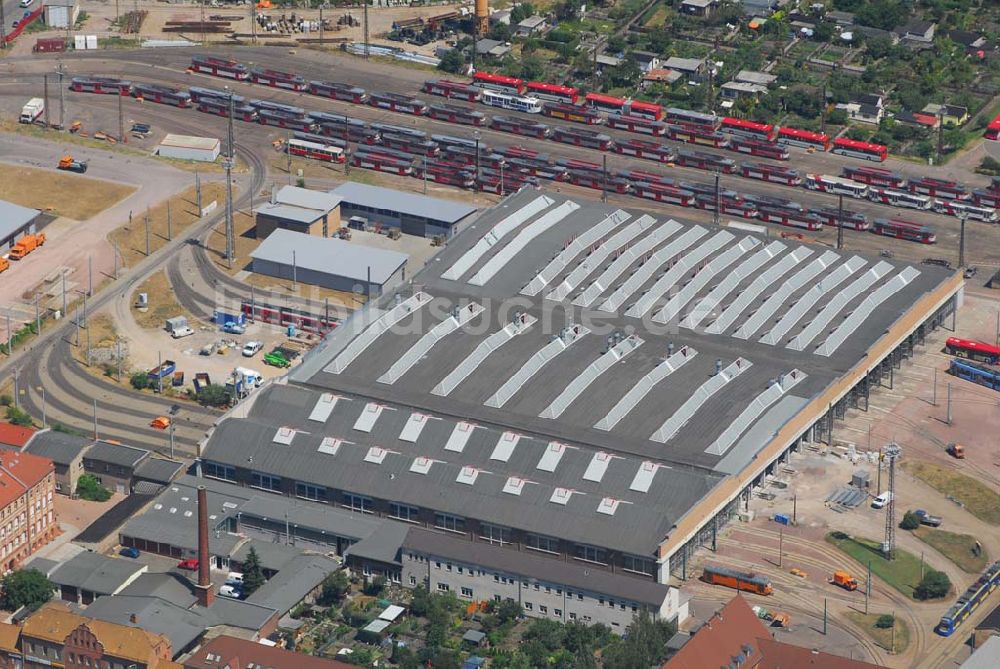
[(27, 514)]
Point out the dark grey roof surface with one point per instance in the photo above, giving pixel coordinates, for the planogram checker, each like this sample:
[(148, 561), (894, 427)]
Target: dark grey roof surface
[(96, 573), (116, 454), (378, 197), (329, 256), (13, 217), (527, 564), (294, 582), (43, 565), (170, 586), (271, 555), (159, 469), (317, 517), (60, 447), (382, 545)]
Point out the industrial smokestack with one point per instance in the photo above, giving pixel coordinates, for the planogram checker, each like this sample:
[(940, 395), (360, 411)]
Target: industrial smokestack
[(482, 18), (204, 590)]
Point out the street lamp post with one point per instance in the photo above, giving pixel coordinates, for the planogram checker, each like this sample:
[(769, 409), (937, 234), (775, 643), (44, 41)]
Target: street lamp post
[(475, 186)]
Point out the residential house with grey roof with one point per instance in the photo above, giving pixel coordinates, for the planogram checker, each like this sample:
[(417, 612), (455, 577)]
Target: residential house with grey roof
[(89, 575), (114, 464), (66, 452)]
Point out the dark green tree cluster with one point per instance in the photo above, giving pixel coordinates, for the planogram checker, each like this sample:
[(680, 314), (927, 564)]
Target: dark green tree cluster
[(253, 573), (28, 587), (934, 585), (90, 489)]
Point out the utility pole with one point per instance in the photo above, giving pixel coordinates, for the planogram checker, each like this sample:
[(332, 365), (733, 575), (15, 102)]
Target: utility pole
[(822, 113), (90, 276), (170, 235), (118, 356), (288, 155), (940, 136), (934, 392), (121, 123), (114, 246), (38, 316), (425, 175), (95, 419), (604, 179), (824, 616), (3, 28), (367, 50), (10, 337), (62, 97), (948, 418), (146, 221), (892, 452), (781, 544), (159, 374), (45, 422), (475, 39), (171, 431), (475, 186), (197, 191), (64, 292), (295, 273), (840, 222), (961, 240), (321, 22), (718, 200), (45, 84), (17, 389), (229, 164), (868, 586)]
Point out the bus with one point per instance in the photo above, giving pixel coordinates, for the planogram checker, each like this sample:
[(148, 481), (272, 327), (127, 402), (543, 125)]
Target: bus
[(875, 176), (605, 103), (581, 137), (836, 185), (637, 124), (893, 227), (338, 91), (381, 163), (663, 193), (960, 209), (242, 112), (899, 198), (315, 151), (705, 161), (804, 138), (647, 150), (993, 129), (512, 102), (519, 126), (755, 147), (856, 149), (498, 82), (285, 120), (738, 126), (198, 94), (414, 145), (771, 173), (453, 90), (573, 113), (973, 350), (686, 117), (851, 219), (403, 104), (103, 85), (945, 190), (277, 79), (554, 92), (970, 601), (648, 110), (702, 135), (789, 217), (970, 371), (163, 95), (220, 67), (456, 114)]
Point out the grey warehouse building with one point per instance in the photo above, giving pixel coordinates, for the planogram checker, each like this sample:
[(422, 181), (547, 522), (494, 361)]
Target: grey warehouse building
[(17, 221), (605, 403), (330, 263), (413, 214)]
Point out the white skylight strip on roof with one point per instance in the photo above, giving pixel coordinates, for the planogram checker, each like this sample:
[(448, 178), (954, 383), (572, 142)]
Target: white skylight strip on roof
[(413, 427), (505, 446), (577, 386), (459, 437), (370, 414), (467, 475), (783, 292), (648, 269), (674, 305), (754, 411), (376, 455), (644, 385), (520, 325), (598, 467), (628, 257), (608, 506), (698, 398), (592, 262), (643, 479), (573, 249), (514, 485), (374, 330), (459, 317), (330, 445), (421, 465), (561, 496), (284, 435), (521, 241), (851, 323), (728, 284), (684, 264), (324, 407), (837, 303), (551, 457), (500, 230), (763, 282), (542, 357), (812, 296)]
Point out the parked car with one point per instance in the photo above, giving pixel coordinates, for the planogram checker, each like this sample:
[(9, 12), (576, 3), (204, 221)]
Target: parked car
[(188, 565), (970, 272), (881, 500), (182, 332), (129, 552), (928, 519), (252, 348), (234, 578), (234, 328), (231, 591), (160, 422)]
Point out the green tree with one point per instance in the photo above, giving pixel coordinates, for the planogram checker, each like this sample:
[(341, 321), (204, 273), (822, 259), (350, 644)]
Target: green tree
[(837, 117), (374, 587), (27, 587), (909, 521), (616, 44), (934, 585), (500, 32), (335, 586), (885, 621), (90, 489), (532, 67), (214, 395), (521, 12), (253, 573), (19, 417), (644, 644), (452, 61), (420, 601), (140, 380)]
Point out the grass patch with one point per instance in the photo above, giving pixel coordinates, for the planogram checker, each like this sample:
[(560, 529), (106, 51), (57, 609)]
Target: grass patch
[(959, 548), (978, 499), (131, 238), (883, 637), (903, 573), (163, 303), (60, 193)]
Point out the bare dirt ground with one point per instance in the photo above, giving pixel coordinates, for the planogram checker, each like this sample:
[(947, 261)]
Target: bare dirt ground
[(60, 193)]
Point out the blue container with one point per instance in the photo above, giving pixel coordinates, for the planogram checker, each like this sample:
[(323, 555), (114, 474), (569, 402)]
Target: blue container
[(782, 518), (291, 330)]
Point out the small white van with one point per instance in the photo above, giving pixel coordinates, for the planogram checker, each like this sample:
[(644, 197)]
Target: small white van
[(26, 3), (881, 500), (234, 578)]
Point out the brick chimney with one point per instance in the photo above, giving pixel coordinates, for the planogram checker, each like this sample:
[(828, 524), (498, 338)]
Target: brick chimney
[(204, 590)]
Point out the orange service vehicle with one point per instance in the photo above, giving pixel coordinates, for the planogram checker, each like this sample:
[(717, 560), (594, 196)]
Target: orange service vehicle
[(731, 578), (26, 245), (4, 264), (844, 580)]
